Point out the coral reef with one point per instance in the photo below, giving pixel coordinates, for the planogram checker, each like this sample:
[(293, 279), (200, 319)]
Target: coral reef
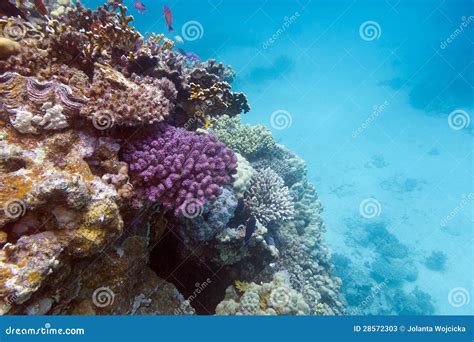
[(129, 185)]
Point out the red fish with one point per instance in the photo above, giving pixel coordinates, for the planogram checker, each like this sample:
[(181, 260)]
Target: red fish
[(41, 7), (168, 18), (139, 6)]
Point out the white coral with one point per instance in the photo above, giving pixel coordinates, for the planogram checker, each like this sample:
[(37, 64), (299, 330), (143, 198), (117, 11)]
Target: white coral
[(243, 176), (53, 117), (268, 199)]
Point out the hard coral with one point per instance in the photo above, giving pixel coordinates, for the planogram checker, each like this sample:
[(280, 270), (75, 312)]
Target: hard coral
[(126, 102), (250, 141), (268, 199), (175, 166), (273, 298)]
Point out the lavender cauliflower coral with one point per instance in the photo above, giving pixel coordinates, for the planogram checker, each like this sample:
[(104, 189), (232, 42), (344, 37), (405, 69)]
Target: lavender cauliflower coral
[(176, 167)]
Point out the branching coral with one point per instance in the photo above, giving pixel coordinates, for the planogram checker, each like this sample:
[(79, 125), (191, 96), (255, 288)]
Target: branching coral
[(268, 199), (175, 166)]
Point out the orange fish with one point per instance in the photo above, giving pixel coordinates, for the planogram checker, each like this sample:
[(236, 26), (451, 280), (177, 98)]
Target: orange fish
[(168, 18)]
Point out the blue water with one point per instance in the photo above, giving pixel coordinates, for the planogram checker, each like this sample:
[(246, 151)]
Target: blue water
[(369, 114)]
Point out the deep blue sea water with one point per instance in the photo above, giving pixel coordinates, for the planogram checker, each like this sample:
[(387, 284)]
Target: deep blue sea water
[(379, 103)]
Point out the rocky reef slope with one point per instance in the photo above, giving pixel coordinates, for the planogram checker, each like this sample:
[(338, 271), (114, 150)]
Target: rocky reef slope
[(129, 185)]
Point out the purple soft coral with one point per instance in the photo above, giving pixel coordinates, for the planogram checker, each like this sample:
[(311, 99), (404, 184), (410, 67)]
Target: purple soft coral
[(175, 166)]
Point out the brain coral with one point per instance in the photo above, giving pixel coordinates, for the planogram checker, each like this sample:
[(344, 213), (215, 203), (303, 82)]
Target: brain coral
[(247, 140), (176, 167), (268, 199)]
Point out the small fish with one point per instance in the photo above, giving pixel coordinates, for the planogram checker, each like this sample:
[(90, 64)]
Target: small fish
[(41, 7), (139, 6), (191, 56), (168, 18), (251, 225), (178, 39)]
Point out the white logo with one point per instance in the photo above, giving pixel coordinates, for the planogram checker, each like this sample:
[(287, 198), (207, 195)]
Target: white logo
[(192, 30), (370, 208), (370, 30)]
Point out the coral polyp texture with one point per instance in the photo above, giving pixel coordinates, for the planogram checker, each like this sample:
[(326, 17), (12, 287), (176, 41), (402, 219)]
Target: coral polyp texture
[(129, 184), (175, 167), (268, 199)]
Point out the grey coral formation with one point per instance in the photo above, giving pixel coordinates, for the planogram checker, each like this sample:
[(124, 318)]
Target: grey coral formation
[(214, 217), (268, 199), (285, 163), (273, 298)]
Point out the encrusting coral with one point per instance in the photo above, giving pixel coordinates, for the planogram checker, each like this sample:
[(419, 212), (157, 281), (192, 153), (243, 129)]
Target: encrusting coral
[(122, 157)]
